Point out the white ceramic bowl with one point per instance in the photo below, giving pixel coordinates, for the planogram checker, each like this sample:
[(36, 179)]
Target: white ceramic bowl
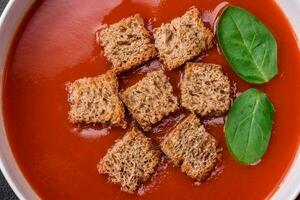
[(9, 22)]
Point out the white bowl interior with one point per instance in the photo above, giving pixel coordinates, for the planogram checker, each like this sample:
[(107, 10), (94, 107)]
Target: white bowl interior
[(10, 21)]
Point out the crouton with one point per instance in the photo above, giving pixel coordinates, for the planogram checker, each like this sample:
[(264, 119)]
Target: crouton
[(150, 99), (95, 100), (205, 89), (182, 39), (192, 148), (127, 43), (130, 161)]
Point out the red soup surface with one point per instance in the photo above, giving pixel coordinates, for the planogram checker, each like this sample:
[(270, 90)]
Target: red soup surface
[(57, 45)]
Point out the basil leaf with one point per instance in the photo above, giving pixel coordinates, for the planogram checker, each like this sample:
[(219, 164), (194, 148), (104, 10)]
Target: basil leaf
[(248, 45), (248, 126)]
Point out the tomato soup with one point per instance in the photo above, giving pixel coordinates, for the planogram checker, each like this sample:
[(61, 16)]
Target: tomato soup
[(57, 44)]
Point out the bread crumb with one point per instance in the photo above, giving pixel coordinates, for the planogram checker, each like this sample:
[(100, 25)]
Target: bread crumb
[(182, 39), (205, 89), (130, 161), (127, 43), (190, 147), (95, 100), (150, 99)]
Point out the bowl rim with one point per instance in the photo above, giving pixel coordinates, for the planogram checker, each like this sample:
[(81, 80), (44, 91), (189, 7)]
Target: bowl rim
[(289, 187)]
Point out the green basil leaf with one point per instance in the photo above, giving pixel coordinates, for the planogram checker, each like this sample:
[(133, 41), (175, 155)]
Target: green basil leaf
[(248, 45), (248, 126)]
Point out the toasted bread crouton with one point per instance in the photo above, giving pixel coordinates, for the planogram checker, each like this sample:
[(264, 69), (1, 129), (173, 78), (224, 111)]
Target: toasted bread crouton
[(192, 148), (150, 99), (95, 100), (182, 39), (205, 89), (130, 161), (127, 43)]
